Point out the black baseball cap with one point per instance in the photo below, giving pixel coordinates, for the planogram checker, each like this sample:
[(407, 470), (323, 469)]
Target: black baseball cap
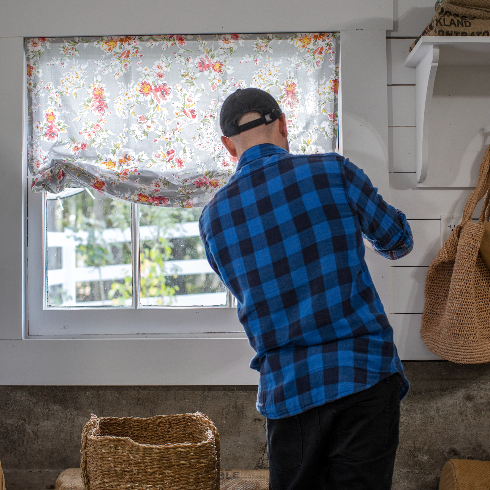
[(243, 101)]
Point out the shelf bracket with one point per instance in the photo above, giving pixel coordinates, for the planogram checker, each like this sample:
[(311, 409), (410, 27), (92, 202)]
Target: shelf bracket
[(425, 78)]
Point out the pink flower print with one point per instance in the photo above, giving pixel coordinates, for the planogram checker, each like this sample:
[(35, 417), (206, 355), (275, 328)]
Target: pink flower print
[(50, 117), (98, 92), (333, 85), (201, 182), (161, 92), (235, 37), (83, 146), (218, 66), (142, 197), (180, 163), (61, 175), (203, 64), (141, 119), (170, 155), (98, 106), (190, 113), (158, 200), (180, 40), (52, 133), (98, 185), (145, 88)]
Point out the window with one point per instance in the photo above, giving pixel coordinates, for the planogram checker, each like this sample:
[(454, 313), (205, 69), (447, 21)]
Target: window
[(91, 252), (134, 121)]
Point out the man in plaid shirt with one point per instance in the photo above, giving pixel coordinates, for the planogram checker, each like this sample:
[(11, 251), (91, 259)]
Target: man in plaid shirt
[(287, 236)]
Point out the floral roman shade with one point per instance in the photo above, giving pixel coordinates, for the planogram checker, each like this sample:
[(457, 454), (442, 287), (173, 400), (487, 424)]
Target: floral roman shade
[(137, 117)]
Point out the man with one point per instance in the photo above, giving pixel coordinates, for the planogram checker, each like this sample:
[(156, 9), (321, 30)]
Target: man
[(286, 237)]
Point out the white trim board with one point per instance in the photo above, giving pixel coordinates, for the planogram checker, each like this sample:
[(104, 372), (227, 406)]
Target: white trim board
[(104, 17), (146, 361)]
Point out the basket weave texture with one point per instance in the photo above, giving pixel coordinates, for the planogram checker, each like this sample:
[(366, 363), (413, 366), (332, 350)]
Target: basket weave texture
[(178, 452), (465, 474), (456, 317)]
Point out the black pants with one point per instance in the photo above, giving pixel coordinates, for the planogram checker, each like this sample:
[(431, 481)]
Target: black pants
[(347, 444)]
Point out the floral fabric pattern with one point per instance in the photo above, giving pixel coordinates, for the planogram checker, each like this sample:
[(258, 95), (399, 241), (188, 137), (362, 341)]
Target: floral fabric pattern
[(137, 117)]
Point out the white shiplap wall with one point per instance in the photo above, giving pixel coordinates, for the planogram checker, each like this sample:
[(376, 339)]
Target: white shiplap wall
[(423, 207)]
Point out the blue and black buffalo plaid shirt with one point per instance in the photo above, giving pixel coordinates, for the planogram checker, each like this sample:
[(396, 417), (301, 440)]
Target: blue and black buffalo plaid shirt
[(286, 237)]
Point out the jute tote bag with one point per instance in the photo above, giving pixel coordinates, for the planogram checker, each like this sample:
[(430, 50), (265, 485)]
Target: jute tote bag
[(456, 318)]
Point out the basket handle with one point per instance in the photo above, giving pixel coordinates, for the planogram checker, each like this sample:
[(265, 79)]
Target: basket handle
[(479, 191)]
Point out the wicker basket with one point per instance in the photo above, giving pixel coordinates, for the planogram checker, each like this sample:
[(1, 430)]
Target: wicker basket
[(178, 452)]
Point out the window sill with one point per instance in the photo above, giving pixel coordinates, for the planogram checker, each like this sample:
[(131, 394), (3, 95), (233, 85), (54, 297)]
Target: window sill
[(205, 359)]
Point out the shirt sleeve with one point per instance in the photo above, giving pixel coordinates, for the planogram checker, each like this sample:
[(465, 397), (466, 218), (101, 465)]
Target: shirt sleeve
[(210, 258), (385, 227)]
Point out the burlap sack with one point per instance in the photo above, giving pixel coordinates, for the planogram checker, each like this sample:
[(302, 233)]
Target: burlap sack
[(70, 479), (456, 317), (465, 474), (459, 18), (244, 480)]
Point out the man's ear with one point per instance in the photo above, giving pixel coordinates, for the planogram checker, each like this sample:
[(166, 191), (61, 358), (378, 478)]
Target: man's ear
[(283, 127), (229, 146)]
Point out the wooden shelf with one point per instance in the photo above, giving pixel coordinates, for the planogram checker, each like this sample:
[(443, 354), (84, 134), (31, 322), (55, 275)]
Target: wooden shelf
[(452, 108)]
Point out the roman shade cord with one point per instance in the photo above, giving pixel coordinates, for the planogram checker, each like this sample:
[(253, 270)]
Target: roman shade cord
[(456, 317)]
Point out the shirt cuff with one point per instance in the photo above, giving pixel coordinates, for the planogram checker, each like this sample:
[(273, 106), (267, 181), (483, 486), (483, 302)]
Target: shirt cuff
[(404, 245)]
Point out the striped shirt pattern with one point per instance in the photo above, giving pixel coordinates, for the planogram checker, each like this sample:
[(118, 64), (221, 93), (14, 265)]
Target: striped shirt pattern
[(285, 235)]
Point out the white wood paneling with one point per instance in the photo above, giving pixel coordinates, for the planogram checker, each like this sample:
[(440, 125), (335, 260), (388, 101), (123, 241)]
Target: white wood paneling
[(11, 196), (421, 203), (401, 106), (364, 118), (407, 295), (364, 121), (409, 343), (397, 52), (427, 242), (402, 149), (457, 129), (93, 17), (411, 17)]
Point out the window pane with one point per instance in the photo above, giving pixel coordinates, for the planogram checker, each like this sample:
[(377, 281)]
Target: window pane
[(88, 260), (174, 269)]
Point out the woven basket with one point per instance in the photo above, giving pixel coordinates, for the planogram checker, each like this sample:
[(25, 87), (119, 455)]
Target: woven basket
[(178, 452)]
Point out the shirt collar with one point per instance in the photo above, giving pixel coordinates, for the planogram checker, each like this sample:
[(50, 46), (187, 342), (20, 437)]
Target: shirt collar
[(258, 151)]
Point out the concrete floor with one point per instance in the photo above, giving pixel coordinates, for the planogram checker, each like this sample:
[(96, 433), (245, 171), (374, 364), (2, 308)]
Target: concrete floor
[(444, 416)]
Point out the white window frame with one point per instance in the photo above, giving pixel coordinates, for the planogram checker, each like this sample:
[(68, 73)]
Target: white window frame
[(168, 357)]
